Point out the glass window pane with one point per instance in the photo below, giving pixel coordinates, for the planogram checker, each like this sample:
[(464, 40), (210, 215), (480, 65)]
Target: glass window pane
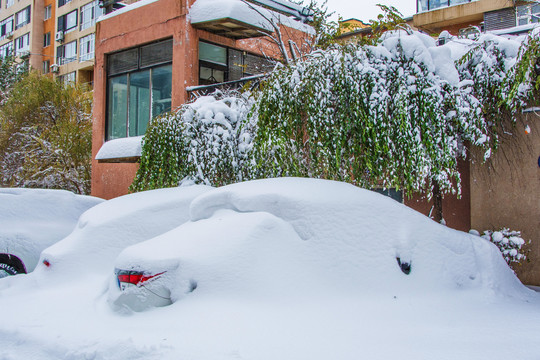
[(139, 102), (422, 5), (117, 107), (212, 53), (209, 76), (522, 10), (161, 89), (71, 20)]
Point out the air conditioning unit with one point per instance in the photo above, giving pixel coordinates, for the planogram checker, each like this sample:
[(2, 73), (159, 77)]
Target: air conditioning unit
[(55, 68), (9, 35), (59, 36), (24, 54)]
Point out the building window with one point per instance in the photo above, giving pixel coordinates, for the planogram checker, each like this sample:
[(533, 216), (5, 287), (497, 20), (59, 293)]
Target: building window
[(69, 78), (66, 53), (22, 44), (6, 27), (48, 12), (63, 2), (9, 3), (218, 64), (47, 39), (22, 17), (6, 50), (68, 21), (427, 5), (212, 63), (46, 66), (138, 89), (528, 14), (89, 13), (86, 48)]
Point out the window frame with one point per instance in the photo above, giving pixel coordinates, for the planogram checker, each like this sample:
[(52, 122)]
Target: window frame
[(24, 12), (5, 48), (25, 47), (47, 39), (48, 13), (87, 42), (129, 72), (63, 21), (95, 11), (46, 66), (4, 27)]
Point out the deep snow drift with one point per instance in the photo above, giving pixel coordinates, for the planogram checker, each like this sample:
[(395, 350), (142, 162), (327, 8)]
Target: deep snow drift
[(288, 269), (34, 219)]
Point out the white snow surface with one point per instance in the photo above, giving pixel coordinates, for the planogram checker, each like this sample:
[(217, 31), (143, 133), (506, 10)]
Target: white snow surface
[(120, 148), (105, 230), (287, 269), (34, 219), (207, 10)]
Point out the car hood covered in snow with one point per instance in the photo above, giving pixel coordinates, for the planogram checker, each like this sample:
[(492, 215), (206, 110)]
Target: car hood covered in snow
[(33, 219)]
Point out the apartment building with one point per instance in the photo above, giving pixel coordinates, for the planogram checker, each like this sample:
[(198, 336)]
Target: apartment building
[(53, 36), (20, 35), (434, 16), (74, 39)]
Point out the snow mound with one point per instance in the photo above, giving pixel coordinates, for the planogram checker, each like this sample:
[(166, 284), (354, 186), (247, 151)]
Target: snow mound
[(33, 219), (121, 148), (105, 230), (360, 234)]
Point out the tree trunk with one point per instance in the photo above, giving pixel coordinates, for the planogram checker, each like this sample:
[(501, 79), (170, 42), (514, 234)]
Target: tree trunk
[(437, 213)]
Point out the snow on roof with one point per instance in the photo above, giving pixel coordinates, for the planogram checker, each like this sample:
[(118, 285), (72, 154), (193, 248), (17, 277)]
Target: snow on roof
[(125, 9), (515, 29), (121, 148), (298, 11), (210, 10)]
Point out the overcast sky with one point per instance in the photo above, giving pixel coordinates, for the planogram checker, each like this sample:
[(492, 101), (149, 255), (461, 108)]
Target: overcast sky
[(366, 9)]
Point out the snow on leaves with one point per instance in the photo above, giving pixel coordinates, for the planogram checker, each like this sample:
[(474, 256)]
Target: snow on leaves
[(399, 113)]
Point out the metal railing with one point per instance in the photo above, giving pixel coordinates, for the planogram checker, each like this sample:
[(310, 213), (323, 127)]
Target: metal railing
[(202, 90), (427, 5)]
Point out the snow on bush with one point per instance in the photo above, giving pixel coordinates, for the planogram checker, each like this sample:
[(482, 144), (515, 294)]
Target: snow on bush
[(509, 243), (395, 114), (369, 115), (207, 141)]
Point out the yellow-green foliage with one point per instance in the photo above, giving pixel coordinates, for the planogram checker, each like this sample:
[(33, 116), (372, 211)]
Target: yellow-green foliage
[(46, 135)]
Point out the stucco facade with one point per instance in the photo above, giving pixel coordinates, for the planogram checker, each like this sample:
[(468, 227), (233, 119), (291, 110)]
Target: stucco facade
[(505, 191)]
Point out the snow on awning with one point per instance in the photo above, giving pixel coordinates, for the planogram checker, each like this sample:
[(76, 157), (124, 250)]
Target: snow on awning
[(231, 18), (120, 150)]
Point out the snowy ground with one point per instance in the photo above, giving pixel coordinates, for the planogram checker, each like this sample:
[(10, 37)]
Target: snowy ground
[(340, 293)]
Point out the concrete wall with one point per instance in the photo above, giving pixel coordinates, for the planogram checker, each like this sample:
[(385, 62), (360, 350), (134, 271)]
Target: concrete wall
[(456, 210), (505, 192)]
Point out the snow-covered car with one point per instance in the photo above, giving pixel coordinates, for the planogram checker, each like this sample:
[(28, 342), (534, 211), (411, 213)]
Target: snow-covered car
[(302, 236), (32, 220), (106, 229)]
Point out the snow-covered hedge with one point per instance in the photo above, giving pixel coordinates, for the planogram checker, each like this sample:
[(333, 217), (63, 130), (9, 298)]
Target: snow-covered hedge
[(208, 141), (399, 113), (509, 243)]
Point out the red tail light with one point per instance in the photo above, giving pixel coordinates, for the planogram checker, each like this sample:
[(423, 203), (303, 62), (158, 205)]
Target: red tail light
[(133, 277)]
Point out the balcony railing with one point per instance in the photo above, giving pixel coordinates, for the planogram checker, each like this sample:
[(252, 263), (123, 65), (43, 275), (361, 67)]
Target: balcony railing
[(427, 5), (202, 90)]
